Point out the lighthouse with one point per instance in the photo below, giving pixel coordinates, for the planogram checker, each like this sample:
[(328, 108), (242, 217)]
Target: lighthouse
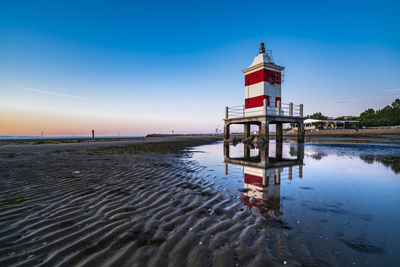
[(263, 102), (262, 81)]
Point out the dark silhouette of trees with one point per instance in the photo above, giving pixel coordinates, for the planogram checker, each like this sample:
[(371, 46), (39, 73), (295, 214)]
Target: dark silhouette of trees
[(388, 116), (317, 116)]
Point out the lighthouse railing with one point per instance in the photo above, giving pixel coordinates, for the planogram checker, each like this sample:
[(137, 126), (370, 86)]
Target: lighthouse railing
[(281, 109)]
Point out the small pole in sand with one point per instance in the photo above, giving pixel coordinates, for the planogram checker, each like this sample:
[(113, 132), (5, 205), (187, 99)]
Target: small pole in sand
[(92, 134)]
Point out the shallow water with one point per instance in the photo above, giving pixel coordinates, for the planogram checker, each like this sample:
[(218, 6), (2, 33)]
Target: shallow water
[(340, 201)]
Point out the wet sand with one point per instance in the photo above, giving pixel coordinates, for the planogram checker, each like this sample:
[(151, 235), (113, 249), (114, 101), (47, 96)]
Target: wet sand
[(135, 205), (49, 145)]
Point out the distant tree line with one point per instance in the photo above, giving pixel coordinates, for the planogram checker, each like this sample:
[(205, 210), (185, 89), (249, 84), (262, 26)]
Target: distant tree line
[(388, 116), (317, 116)]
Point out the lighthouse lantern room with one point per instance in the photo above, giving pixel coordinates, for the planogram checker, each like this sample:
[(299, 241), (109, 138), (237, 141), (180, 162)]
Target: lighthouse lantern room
[(263, 79)]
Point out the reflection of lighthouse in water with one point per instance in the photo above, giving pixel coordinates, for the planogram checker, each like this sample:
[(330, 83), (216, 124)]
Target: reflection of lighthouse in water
[(262, 186), (262, 175)]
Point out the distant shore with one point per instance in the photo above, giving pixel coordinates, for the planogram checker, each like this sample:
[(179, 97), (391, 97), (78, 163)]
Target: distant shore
[(49, 145), (378, 136), (376, 133)]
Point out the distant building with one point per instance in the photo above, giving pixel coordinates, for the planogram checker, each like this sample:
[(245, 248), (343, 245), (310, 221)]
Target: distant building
[(347, 117), (312, 124)]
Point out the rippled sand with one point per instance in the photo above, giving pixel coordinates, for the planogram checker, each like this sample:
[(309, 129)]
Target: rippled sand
[(132, 207)]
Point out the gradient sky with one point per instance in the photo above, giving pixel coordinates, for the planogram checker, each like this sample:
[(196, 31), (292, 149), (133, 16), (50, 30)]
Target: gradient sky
[(133, 68)]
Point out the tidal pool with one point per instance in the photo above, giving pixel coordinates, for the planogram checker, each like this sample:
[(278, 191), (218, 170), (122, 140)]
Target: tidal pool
[(341, 201)]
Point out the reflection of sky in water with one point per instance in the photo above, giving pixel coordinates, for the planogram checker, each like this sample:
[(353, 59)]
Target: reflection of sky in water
[(347, 201)]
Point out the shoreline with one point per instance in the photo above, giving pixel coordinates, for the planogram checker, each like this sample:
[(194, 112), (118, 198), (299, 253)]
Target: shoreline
[(18, 147), (51, 145), (139, 204)]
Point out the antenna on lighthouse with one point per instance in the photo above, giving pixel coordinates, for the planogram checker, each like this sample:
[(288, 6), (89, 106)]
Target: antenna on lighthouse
[(262, 48), (267, 54)]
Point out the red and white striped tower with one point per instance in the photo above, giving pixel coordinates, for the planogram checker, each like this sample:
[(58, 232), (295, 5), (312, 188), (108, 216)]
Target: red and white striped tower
[(262, 84)]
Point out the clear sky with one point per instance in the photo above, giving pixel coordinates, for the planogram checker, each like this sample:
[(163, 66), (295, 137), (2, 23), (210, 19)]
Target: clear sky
[(134, 68)]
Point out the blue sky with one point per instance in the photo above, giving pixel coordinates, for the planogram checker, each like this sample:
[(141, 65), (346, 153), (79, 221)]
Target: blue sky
[(134, 68)]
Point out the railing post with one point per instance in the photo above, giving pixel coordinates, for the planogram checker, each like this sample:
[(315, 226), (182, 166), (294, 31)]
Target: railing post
[(301, 110), (290, 109), (278, 107), (226, 112)]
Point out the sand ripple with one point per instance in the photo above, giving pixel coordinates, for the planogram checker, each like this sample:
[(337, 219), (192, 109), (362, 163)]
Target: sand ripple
[(92, 209)]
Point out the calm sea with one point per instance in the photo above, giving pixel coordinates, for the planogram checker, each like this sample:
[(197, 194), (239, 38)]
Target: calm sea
[(341, 201)]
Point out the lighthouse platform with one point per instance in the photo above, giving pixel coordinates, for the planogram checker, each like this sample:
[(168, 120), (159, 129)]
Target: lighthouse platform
[(267, 115)]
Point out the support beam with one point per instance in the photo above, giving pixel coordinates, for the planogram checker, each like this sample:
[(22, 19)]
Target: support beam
[(300, 132), (226, 150), (278, 150), (300, 152), (246, 150), (290, 172), (277, 176), (264, 130), (279, 132), (226, 131), (301, 171), (264, 154), (246, 130)]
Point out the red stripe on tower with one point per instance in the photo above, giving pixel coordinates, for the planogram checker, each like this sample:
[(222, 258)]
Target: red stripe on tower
[(253, 180), (254, 102), (262, 75)]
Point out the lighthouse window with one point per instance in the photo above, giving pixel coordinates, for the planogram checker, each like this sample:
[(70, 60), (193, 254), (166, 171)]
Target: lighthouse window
[(272, 79)]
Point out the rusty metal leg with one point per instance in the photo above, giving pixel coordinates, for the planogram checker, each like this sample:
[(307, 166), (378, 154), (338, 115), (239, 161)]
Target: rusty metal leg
[(246, 150), (226, 150), (226, 132), (246, 130), (264, 130), (264, 154), (279, 132), (300, 132), (278, 150)]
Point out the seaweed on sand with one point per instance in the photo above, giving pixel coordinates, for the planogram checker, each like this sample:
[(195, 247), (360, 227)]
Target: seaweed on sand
[(154, 147), (15, 201), (143, 241)]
